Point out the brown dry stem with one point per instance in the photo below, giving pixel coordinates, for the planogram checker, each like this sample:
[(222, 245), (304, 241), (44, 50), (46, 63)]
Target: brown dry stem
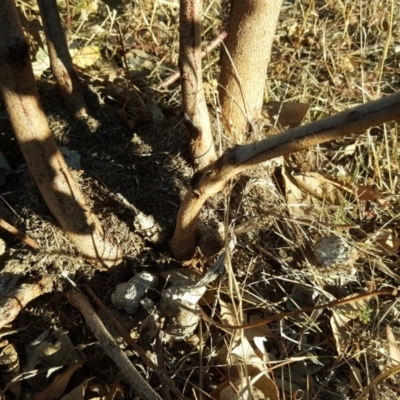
[(212, 179), (193, 100), (60, 58), (162, 374), (20, 235), (331, 304), (110, 346), (45, 161), (210, 47), (15, 301)]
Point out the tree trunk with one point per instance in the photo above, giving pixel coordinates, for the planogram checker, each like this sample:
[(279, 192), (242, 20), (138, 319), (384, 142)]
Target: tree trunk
[(193, 100), (212, 179), (60, 59), (244, 63), (46, 163)]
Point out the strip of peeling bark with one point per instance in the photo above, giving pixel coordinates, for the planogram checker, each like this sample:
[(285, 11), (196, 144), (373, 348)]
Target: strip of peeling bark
[(45, 161), (193, 100), (213, 178), (60, 59)]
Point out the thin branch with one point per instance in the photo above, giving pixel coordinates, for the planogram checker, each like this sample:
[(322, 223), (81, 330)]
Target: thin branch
[(194, 104), (20, 235), (164, 377), (212, 179), (110, 346), (210, 47), (61, 62)]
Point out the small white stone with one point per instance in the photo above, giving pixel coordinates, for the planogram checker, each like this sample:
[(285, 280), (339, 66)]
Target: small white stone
[(128, 295)]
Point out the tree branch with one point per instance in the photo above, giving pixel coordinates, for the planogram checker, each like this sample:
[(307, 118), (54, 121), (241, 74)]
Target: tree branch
[(193, 99), (211, 179)]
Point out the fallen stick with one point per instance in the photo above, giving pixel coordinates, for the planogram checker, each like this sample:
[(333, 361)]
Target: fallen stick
[(142, 354), (110, 346), (20, 235), (15, 301)]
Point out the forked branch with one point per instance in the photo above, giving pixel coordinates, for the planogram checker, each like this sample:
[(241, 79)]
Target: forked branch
[(211, 179)]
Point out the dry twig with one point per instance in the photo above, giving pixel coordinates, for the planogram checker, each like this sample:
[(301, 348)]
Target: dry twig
[(162, 374), (210, 47), (110, 347), (20, 235)]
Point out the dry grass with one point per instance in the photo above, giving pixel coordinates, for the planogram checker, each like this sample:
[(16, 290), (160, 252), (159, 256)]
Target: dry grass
[(331, 55)]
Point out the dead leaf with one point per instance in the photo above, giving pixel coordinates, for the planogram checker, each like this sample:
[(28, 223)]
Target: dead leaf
[(60, 382), (227, 313), (299, 202), (355, 378), (285, 114), (367, 193), (342, 315), (262, 331), (51, 349), (238, 389), (9, 360), (34, 27), (94, 389), (349, 64), (319, 187), (158, 116), (114, 4), (394, 350), (331, 190), (244, 353), (85, 57), (89, 8), (385, 239), (348, 151)]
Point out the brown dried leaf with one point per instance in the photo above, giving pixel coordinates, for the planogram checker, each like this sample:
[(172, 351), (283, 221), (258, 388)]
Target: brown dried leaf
[(342, 315), (285, 114), (85, 57), (158, 116), (245, 353), (299, 202), (355, 378), (128, 122), (319, 187), (386, 239), (9, 361), (60, 382), (394, 350), (262, 331), (260, 390), (227, 313), (367, 193)]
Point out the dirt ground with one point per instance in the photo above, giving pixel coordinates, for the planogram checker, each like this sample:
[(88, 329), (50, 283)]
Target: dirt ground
[(321, 57)]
